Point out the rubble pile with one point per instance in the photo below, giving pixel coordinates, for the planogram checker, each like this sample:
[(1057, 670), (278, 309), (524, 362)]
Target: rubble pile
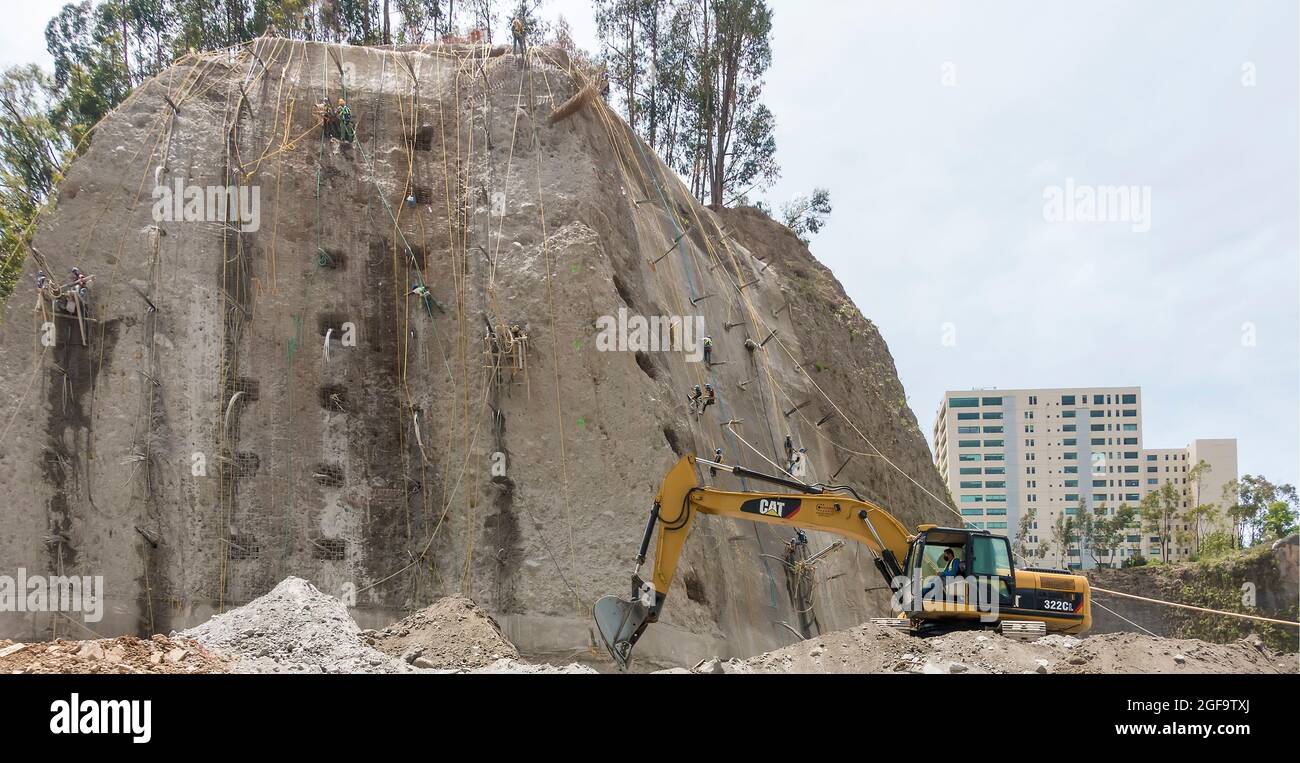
[(125, 654)]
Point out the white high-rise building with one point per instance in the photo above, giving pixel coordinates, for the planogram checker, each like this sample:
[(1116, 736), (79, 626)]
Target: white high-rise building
[(1006, 453)]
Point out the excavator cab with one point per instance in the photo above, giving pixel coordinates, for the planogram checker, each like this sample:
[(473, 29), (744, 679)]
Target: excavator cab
[(986, 586)]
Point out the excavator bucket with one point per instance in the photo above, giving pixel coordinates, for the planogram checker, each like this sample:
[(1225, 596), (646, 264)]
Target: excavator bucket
[(620, 623)]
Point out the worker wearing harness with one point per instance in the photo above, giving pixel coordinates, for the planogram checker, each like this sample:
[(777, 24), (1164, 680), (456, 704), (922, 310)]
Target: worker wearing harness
[(329, 120), (346, 131), (517, 36)]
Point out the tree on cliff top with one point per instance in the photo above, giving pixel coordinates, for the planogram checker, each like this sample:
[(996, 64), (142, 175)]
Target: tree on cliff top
[(689, 74)]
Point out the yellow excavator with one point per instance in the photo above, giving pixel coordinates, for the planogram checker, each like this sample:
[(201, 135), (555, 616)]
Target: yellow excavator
[(931, 593)]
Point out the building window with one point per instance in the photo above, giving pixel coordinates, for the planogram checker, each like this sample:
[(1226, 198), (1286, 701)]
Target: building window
[(968, 443), (1067, 399), (992, 401), (968, 430), (1129, 399), (971, 484), (1067, 414), (1130, 413), (995, 470), (992, 430), (970, 470), (972, 499), (963, 402), (1071, 483), (1070, 428), (1130, 427), (1071, 456), (970, 457), (996, 457), (967, 415), (972, 512)]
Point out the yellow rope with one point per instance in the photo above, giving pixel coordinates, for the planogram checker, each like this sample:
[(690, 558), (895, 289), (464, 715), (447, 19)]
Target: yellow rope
[(1197, 609)]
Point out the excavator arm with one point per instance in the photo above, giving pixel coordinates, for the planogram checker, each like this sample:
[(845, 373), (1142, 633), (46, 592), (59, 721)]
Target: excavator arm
[(681, 497)]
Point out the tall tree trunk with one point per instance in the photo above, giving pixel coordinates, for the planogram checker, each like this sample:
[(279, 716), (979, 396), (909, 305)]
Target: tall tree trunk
[(388, 40), (654, 84)]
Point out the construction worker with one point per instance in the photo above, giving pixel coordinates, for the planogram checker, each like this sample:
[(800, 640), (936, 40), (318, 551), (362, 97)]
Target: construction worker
[(795, 467), (751, 345), (789, 449), (329, 119), (45, 289), (347, 132), (694, 400), (429, 300), (517, 36), (79, 282), (708, 350), (717, 459), (952, 567), (710, 397)]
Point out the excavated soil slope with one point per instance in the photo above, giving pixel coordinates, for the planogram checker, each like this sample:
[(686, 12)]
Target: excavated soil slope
[(257, 398)]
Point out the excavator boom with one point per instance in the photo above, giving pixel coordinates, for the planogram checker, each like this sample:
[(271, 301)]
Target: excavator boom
[(681, 497)]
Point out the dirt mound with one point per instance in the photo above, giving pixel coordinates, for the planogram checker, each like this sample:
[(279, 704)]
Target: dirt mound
[(125, 654), (450, 633), (293, 629), (871, 648)]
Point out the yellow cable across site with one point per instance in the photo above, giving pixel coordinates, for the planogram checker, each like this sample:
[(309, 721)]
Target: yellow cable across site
[(1239, 615)]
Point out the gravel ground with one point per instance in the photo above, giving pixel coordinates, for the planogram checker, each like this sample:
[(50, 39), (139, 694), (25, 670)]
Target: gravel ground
[(871, 648)]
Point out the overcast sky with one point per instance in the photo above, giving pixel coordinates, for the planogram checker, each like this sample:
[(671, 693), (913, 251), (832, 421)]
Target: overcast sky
[(938, 128)]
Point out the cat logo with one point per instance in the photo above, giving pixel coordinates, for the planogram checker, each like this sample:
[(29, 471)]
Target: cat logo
[(781, 508)]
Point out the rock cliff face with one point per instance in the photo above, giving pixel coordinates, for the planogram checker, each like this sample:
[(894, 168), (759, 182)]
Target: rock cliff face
[(258, 394)]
